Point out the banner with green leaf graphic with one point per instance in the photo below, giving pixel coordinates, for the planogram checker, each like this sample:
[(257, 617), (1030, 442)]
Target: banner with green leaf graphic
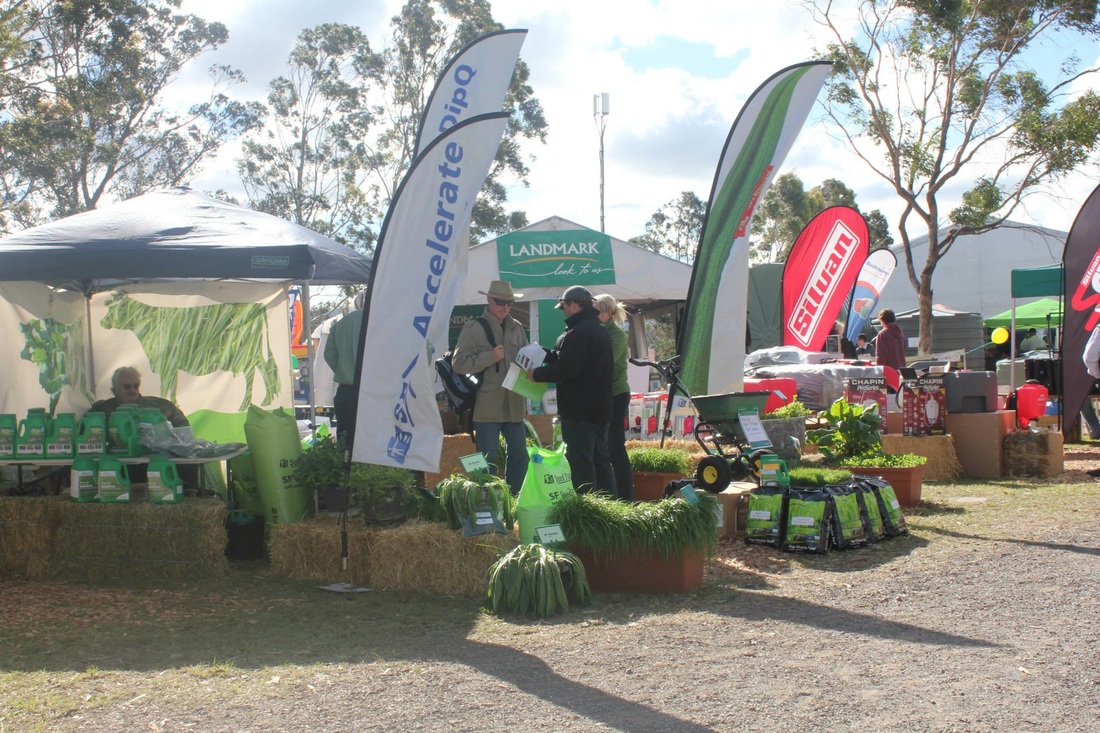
[(712, 339), (556, 258)]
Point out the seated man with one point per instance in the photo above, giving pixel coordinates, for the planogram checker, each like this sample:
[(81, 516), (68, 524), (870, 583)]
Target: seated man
[(126, 387)]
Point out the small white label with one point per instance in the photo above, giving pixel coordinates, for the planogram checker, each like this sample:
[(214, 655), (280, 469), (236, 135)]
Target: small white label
[(483, 518), (895, 504), (760, 514), (802, 521), (549, 534)]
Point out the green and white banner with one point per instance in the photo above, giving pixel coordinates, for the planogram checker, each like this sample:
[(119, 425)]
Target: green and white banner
[(712, 348), (556, 259)]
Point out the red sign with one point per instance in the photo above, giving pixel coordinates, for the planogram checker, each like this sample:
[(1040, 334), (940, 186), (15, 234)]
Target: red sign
[(820, 272)]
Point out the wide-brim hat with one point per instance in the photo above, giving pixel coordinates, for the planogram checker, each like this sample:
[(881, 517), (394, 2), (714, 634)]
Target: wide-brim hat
[(501, 290), (575, 294)]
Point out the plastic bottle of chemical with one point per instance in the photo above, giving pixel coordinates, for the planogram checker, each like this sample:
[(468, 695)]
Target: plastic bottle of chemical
[(164, 482), (91, 434), (124, 433), (61, 437), (8, 427), (30, 442), (83, 480), (113, 480)]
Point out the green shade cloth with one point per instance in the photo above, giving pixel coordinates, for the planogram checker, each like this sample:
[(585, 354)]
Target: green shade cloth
[(1029, 315), (1037, 281)]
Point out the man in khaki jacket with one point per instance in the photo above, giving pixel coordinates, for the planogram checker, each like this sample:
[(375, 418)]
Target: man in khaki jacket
[(498, 411)]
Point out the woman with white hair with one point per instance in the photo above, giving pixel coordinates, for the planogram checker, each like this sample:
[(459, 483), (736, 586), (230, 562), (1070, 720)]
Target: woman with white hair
[(611, 314)]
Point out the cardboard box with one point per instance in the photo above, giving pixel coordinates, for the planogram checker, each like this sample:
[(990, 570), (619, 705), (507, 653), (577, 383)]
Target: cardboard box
[(733, 504), (1034, 454), (979, 441)]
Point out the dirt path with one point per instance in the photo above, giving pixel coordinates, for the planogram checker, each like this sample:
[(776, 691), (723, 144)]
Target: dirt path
[(985, 619)]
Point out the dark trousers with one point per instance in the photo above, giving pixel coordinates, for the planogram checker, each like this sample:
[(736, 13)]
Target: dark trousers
[(616, 447), (344, 403), (586, 451)]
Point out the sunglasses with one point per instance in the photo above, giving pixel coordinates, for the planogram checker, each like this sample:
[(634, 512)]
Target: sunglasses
[(130, 386), (502, 303)]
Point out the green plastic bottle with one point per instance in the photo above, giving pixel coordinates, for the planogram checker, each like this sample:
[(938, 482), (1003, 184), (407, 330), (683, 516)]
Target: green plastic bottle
[(113, 481), (124, 432), (8, 427), (164, 482), (61, 437), (91, 434), (30, 442), (84, 480)]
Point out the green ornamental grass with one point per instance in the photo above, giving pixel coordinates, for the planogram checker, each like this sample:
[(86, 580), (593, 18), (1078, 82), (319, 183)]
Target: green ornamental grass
[(661, 460)]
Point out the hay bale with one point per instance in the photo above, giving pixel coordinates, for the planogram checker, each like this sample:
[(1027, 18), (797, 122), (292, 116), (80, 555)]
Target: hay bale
[(28, 531), (310, 550), (429, 558), (943, 463), (140, 541), (1040, 455)]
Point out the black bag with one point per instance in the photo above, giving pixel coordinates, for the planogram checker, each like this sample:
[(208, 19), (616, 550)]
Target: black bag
[(461, 389)]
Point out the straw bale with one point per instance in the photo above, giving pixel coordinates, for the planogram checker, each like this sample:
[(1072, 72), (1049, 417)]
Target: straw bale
[(141, 541), (1034, 454), (943, 463), (454, 447), (429, 558), (310, 550), (28, 530)]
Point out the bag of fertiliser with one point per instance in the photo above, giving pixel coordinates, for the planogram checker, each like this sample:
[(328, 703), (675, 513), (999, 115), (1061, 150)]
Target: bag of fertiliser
[(868, 508), (893, 520), (767, 515), (848, 529), (809, 521)]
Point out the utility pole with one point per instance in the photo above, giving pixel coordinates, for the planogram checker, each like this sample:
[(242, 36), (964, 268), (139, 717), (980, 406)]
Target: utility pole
[(601, 107)]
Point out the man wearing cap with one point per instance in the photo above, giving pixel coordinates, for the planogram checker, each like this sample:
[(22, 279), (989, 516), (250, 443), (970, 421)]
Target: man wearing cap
[(581, 366), (497, 411), (340, 353)]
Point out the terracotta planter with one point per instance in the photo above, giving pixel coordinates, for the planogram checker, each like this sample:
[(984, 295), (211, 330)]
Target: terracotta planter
[(648, 573), (651, 486), (906, 482)]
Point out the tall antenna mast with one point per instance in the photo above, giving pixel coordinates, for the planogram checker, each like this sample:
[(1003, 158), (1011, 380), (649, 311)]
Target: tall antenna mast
[(601, 107)]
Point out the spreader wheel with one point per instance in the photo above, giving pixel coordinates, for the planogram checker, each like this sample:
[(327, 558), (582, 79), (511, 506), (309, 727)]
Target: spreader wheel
[(713, 474)]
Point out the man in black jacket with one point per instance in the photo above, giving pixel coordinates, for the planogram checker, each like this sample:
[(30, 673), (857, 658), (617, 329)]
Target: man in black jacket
[(580, 365)]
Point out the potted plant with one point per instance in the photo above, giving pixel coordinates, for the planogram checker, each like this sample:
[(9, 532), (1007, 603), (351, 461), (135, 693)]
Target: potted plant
[(477, 506), (812, 478), (786, 429), (536, 580), (852, 441), (653, 468), (641, 547), (321, 469), (382, 491)]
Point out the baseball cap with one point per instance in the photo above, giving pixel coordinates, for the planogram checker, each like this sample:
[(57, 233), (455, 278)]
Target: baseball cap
[(575, 294)]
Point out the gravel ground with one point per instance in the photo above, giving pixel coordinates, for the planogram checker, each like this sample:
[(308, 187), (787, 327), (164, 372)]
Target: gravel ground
[(951, 629)]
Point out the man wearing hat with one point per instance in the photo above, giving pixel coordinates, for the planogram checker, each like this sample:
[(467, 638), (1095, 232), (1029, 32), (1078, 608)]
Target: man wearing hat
[(581, 366), (497, 411)]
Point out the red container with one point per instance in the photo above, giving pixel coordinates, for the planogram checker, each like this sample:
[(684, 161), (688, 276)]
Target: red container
[(784, 391), (1031, 403)]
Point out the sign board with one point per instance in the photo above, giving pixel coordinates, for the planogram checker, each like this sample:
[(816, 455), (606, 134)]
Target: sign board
[(754, 430), (555, 259)]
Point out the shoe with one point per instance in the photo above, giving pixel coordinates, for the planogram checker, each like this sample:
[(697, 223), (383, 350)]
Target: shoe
[(1094, 472)]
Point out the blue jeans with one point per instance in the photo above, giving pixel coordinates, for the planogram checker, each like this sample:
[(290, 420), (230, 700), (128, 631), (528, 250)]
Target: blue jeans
[(586, 451), (487, 438)]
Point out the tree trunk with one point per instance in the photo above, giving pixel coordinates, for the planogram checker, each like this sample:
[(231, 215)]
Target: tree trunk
[(924, 303)]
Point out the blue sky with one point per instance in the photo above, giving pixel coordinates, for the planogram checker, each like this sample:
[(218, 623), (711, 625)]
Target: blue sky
[(677, 71)]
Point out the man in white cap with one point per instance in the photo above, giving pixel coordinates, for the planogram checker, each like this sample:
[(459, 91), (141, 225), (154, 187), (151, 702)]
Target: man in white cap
[(486, 346), (581, 365), (341, 351)]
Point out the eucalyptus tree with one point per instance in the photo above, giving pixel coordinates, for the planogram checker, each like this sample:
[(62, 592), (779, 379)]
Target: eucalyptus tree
[(945, 101), (674, 229), (83, 89)]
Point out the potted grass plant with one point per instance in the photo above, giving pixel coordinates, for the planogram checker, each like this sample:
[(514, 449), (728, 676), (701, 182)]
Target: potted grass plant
[(382, 491), (532, 580), (653, 468), (786, 429), (852, 441), (642, 547)]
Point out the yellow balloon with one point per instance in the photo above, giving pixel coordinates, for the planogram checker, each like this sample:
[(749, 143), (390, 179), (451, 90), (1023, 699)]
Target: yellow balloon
[(1000, 335)]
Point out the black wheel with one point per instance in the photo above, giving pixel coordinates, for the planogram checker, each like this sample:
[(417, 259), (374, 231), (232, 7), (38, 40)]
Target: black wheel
[(754, 461), (713, 474)]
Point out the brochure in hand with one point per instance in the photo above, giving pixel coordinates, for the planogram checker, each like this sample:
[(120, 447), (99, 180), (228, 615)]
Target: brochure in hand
[(517, 381)]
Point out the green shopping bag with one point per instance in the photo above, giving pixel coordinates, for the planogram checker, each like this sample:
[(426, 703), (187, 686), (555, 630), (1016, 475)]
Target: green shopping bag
[(548, 480)]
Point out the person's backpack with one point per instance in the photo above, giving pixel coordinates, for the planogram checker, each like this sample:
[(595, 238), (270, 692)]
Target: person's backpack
[(462, 388)]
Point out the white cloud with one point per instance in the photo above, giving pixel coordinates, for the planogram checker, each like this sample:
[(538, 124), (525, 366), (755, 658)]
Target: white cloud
[(669, 116)]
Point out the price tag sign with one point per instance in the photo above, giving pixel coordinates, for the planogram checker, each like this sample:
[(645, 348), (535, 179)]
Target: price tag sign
[(754, 430), (551, 534), (688, 492), (474, 462)]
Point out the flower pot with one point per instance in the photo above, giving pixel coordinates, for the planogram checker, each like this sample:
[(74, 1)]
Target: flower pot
[(906, 482), (780, 432), (646, 573), (651, 486), (384, 507)]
